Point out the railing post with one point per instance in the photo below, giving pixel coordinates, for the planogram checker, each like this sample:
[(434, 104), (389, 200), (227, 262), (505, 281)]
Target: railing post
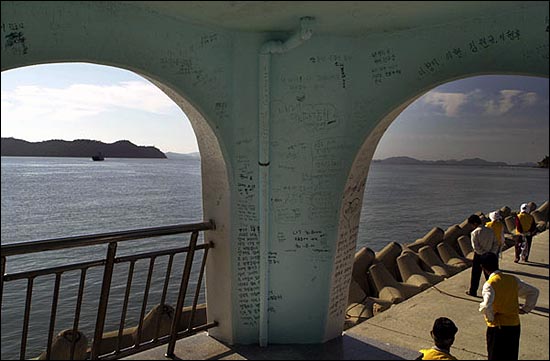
[(182, 292), (198, 288), (53, 314), (26, 318), (125, 304), (103, 300), (77, 309), (3, 270), (144, 303)]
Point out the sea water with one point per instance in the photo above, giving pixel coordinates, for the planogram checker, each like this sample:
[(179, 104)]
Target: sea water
[(45, 198)]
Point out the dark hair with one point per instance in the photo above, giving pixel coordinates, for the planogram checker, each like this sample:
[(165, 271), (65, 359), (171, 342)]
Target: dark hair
[(489, 261), (444, 329), (474, 219)]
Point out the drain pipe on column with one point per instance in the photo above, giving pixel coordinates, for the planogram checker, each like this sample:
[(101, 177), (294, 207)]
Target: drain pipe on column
[(268, 48)]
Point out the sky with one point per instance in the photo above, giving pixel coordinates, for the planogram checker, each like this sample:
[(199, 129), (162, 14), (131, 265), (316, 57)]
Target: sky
[(497, 118)]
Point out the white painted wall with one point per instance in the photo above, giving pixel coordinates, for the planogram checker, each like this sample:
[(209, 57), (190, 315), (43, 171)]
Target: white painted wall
[(332, 98)]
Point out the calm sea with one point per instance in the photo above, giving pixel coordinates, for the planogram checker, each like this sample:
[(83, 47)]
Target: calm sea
[(46, 198)]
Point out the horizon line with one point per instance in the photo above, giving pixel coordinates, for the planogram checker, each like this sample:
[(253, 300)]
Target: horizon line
[(453, 159), (197, 151)]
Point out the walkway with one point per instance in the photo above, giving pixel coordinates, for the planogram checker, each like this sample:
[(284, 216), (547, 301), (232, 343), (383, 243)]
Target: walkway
[(398, 333)]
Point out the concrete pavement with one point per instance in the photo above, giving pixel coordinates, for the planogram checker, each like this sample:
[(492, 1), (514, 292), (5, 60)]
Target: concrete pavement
[(399, 332), (407, 324)]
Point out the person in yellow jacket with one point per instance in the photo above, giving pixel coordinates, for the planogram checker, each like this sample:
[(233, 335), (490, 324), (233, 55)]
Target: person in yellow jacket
[(498, 229), (525, 228), (501, 309), (443, 333)]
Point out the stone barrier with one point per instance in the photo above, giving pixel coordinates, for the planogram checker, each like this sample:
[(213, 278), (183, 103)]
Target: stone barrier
[(388, 256), (409, 268), (543, 209), (505, 211), (156, 324), (428, 256), (451, 235), (358, 312), (398, 272), (432, 238), (387, 287), (465, 244), (362, 261), (538, 216), (361, 306), (150, 321), (355, 293), (61, 346), (467, 227), (449, 256)]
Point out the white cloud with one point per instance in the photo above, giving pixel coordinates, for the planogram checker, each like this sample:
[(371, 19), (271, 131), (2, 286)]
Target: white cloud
[(450, 102), (529, 99), (6, 104), (502, 104), (509, 99), (82, 100)]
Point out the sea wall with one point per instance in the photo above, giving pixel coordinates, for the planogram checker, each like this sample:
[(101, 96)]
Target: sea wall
[(379, 280), (397, 272), (156, 324)]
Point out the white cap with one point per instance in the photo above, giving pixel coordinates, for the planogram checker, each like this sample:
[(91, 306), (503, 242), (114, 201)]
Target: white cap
[(524, 208), (495, 216)]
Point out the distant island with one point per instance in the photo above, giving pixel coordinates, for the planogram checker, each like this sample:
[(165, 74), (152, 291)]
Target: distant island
[(465, 162), (77, 148), (191, 156)]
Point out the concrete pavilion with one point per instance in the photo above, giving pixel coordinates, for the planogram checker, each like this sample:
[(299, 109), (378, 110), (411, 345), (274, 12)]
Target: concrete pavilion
[(288, 101)]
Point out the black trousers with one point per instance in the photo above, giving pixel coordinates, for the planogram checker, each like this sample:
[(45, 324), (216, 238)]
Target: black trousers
[(503, 342), (476, 275), (519, 243)]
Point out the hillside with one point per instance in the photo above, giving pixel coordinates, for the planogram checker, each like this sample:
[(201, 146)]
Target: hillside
[(77, 148), (184, 156), (465, 162)]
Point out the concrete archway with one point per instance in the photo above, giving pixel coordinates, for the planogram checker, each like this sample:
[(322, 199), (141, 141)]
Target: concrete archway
[(215, 202), (216, 206), (352, 201)]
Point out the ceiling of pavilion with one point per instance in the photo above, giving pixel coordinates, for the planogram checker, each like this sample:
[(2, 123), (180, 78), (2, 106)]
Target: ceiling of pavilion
[(348, 18)]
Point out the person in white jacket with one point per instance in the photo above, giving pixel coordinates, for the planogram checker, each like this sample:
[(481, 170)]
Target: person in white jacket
[(483, 240)]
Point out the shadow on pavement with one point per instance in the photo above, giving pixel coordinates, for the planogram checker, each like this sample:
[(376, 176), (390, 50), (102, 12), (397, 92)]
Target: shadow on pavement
[(526, 274), (343, 348)]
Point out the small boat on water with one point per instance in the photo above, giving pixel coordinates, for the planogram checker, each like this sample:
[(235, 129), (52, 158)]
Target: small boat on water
[(98, 156)]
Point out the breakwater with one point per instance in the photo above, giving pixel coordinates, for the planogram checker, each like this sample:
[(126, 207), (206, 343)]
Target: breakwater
[(156, 324), (397, 272)]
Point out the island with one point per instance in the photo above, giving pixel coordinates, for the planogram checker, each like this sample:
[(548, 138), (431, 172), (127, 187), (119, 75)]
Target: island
[(85, 148), (475, 162), (184, 156)]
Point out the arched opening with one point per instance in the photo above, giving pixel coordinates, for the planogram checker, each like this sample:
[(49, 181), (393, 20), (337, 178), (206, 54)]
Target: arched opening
[(500, 119), (63, 197), (409, 200)]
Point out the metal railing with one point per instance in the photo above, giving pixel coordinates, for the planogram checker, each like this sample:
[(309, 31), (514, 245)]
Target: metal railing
[(112, 239)]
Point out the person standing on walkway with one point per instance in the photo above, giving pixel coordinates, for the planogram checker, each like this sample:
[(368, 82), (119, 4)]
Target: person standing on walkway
[(525, 227), (501, 309), (443, 333), (483, 241), (498, 229)]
